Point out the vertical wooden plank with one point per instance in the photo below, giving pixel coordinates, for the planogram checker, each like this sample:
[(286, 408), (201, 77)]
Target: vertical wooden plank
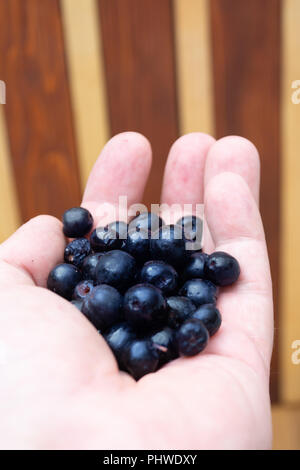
[(290, 256), (193, 60), (246, 45), (38, 110), (140, 72), (84, 56), (9, 218)]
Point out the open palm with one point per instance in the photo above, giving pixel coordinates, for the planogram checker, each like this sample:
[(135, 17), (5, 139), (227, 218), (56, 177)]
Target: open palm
[(60, 385)]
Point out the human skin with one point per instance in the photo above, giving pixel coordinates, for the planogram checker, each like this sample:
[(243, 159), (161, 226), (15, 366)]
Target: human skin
[(60, 385)]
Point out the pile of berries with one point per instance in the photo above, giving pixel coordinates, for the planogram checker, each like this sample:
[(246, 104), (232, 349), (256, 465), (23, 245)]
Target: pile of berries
[(151, 298)]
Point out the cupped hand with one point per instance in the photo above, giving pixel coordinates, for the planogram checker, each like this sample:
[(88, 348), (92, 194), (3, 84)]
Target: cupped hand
[(60, 385)]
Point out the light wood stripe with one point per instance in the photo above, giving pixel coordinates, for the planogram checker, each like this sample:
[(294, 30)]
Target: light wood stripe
[(9, 210), (286, 427), (290, 226), (84, 56), (193, 58)]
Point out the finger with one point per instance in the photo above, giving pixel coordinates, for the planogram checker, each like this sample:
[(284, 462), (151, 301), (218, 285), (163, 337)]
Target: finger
[(184, 173), (237, 155), (31, 252), (122, 169), (236, 227)]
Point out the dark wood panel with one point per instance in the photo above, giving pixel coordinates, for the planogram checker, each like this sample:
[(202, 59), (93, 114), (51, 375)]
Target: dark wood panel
[(246, 50), (140, 72), (38, 109)]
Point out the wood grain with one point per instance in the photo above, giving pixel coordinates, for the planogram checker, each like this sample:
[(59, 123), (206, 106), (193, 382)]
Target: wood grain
[(38, 110), (286, 427), (246, 49), (194, 67), (140, 73), (290, 255), (84, 56), (9, 210)]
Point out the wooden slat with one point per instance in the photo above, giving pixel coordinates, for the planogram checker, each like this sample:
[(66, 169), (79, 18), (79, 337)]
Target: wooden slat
[(286, 427), (290, 256), (10, 217), (193, 59), (246, 45), (140, 70), (38, 110), (84, 56)]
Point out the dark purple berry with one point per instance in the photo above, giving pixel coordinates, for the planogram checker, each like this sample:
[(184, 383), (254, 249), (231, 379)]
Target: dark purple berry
[(222, 269), (194, 268), (210, 316), (161, 275), (179, 310), (63, 279), (144, 306), (138, 244), (77, 222), (103, 307), (140, 358), (118, 338), (199, 291), (164, 342), (192, 337), (88, 267), (76, 251), (105, 239), (116, 268), (146, 221), (167, 244)]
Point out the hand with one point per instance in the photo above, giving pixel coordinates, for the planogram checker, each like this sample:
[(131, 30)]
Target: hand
[(60, 385)]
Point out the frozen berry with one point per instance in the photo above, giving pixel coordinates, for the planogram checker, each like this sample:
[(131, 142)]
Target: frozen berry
[(76, 251), (77, 222)]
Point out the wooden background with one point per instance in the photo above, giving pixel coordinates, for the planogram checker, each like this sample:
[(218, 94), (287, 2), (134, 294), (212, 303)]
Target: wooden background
[(79, 71)]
